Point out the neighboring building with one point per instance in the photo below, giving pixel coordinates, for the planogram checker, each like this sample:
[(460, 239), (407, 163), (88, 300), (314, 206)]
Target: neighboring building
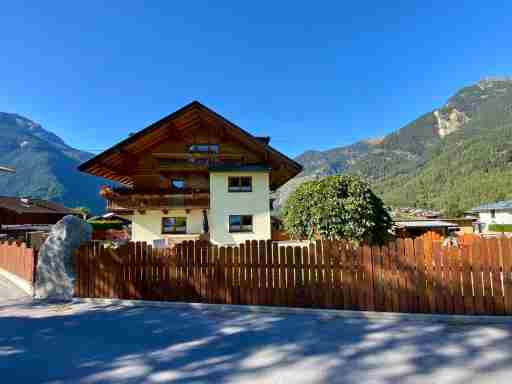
[(110, 217), (465, 224), (28, 211), (415, 228), (496, 213), (193, 175)]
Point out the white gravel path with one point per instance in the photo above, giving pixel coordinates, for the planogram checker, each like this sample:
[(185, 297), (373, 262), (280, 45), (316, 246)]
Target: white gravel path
[(101, 343)]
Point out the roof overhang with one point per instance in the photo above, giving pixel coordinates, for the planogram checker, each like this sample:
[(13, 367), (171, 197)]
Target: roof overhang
[(113, 163)]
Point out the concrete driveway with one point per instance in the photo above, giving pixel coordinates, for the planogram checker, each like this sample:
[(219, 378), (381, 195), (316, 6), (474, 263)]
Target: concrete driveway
[(110, 343)]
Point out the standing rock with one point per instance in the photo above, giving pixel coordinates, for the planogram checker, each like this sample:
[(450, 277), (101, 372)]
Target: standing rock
[(55, 274)]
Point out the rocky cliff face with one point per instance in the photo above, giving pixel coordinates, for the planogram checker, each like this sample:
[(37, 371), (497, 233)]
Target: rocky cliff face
[(449, 122)]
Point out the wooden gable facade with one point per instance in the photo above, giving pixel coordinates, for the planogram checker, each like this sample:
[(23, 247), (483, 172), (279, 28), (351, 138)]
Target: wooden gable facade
[(186, 146)]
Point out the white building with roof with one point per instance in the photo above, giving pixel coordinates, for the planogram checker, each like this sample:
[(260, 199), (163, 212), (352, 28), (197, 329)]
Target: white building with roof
[(495, 213)]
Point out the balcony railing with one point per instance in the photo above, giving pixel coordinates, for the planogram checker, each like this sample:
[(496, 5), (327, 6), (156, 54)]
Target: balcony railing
[(196, 161), (127, 199)]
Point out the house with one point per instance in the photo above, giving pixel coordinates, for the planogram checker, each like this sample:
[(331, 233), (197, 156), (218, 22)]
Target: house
[(28, 219), (495, 213), (193, 175), (415, 228), (29, 211)]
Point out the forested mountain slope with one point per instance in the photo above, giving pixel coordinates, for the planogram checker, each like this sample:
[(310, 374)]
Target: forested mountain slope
[(451, 158), (45, 166)]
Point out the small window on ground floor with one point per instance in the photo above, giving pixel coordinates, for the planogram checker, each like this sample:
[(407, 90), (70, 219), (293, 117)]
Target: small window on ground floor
[(174, 225), (240, 223)]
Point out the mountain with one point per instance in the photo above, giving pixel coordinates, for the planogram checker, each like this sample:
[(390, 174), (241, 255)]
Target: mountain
[(452, 158), (46, 167)]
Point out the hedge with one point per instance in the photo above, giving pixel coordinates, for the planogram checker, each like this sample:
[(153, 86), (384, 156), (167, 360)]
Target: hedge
[(104, 224), (500, 227)]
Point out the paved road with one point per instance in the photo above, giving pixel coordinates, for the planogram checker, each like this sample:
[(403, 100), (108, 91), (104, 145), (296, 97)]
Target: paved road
[(10, 292), (102, 344)]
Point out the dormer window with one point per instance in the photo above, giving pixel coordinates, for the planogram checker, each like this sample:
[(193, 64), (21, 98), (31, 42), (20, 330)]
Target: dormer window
[(204, 148)]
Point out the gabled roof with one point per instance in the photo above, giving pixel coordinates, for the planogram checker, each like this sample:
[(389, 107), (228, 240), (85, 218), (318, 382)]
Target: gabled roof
[(21, 206), (500, 205), (108, 164)]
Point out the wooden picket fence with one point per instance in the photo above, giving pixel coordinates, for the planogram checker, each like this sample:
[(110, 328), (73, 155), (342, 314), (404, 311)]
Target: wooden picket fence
[(406, 275), (18, 259)]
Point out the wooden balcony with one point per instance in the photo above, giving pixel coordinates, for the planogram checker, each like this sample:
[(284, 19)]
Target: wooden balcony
[(195, 161), (128, 200)]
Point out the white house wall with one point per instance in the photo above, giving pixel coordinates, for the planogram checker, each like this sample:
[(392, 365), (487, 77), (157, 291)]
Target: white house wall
[(224, 203), (501, 217), (148, 226)]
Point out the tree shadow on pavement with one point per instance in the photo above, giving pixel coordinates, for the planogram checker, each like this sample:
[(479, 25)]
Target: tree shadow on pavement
[(109, 343)]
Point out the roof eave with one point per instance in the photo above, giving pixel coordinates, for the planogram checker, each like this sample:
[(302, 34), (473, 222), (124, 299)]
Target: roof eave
[(84, 166)]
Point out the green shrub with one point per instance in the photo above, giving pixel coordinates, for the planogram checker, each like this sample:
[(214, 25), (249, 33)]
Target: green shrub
[(102, 225), (500, 227), (336, 207)]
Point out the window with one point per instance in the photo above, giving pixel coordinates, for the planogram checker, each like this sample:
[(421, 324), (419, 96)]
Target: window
[(493, 214), (240, 223), (240, 184), (204, 148), (175, 225), (177, 183)]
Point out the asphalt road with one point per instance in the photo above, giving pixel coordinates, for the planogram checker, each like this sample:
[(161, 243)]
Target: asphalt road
[(87, 343)]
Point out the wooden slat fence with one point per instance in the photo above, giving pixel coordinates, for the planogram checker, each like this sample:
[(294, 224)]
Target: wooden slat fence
[(18, 259), (407, 275)]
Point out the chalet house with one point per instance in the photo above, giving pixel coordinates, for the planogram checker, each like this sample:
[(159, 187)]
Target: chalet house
[(193, 175), (23, 211)]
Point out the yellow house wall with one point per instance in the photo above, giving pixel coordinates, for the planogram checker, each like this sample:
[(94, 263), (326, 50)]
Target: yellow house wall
[(148, 226), (224, 203)]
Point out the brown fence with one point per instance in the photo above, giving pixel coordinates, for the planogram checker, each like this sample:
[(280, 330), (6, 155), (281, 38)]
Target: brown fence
[(19, 260), (404, 276)]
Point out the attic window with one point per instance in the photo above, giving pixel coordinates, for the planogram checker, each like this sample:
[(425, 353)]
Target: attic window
[(204, 148), (177, 184)]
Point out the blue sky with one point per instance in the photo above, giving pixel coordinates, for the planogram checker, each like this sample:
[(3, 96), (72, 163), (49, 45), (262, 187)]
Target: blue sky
[(313, 75)]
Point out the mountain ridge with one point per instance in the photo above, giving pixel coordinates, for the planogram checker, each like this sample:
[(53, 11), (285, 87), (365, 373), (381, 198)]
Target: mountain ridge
[(46, 167), (474, 111), (441, 160)]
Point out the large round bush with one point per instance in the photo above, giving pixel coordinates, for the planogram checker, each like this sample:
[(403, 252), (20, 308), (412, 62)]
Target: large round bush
[(336, 207)]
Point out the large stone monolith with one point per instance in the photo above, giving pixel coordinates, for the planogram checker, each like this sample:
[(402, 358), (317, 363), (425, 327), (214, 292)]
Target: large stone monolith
[(55, 274)]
